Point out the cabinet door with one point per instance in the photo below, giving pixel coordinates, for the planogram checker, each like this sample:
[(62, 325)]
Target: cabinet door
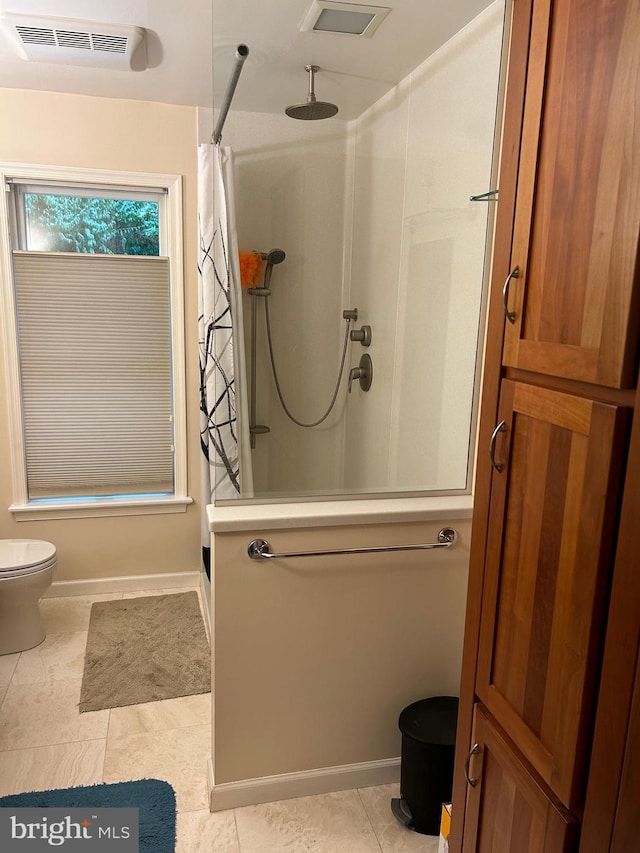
[(575, 246), (507, 809), (548, 555), (626, 830)]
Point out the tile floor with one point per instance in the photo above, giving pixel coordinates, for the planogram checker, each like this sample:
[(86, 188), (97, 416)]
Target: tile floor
[(46, 743)]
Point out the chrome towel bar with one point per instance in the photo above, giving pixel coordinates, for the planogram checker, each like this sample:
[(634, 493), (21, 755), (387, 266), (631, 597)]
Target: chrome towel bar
[(259, 549)]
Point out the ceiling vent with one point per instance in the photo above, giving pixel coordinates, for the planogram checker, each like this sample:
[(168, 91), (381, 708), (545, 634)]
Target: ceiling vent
[(347, 19), (66, 41)]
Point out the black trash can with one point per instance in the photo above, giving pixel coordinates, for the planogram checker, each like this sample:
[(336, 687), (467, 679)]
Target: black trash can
[(426, 768)]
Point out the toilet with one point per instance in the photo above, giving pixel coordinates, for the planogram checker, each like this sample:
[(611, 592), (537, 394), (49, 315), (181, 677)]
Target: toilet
[(26, 572)]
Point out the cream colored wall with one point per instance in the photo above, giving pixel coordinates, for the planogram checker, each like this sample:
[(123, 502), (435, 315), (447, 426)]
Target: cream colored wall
[(100, 133), (315, 658)]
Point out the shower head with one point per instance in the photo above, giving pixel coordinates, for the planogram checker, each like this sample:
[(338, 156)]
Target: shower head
[(313, 109), (275, 256)]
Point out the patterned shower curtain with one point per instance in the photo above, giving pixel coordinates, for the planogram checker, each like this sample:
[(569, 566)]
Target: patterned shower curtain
[(224, 431)]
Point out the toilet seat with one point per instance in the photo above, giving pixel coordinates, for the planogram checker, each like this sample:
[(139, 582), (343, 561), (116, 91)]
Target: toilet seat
[(20, 557)]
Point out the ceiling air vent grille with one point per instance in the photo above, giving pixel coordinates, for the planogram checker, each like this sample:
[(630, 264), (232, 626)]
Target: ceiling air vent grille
[(113, 44), (72, 42), (36, 35), (69, 38)]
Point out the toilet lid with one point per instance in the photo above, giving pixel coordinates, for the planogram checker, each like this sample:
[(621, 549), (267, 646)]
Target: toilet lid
[(20, 554), (9, 574)]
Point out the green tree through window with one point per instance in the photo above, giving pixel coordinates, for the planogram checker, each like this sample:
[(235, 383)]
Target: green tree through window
[(88, 225)]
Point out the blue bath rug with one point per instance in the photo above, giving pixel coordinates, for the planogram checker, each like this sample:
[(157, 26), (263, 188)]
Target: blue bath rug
[(155, 799)]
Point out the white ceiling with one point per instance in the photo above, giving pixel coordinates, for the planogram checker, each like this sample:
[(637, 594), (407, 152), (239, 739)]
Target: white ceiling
[(184, 43)]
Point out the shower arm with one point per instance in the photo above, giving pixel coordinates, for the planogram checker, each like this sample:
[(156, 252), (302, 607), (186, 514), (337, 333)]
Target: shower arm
[(311, 97)]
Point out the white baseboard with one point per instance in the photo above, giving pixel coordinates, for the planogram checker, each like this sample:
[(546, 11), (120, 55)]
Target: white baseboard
[(205, 601), (266, 789), (210, 778), (129, 583)]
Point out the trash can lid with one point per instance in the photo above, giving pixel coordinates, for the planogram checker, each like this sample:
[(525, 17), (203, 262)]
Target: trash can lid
[(431, 721)]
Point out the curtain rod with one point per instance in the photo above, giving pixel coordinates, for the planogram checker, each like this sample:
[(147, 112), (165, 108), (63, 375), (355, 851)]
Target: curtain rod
[(242, 51)]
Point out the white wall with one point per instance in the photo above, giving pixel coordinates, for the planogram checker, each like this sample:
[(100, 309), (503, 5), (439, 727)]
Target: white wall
[(290, 188), (417, 269)]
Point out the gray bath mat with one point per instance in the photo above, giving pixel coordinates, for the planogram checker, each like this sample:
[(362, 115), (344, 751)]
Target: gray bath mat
[(145, 649)]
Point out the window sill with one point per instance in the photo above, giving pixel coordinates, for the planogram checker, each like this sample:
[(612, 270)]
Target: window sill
[(98, 507)]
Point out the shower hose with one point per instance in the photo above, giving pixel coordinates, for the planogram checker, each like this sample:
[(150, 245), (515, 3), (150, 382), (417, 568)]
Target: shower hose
[(277, 382)]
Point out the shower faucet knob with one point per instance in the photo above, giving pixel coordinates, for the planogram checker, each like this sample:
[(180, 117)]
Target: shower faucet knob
[(363, 373), (363, 335)]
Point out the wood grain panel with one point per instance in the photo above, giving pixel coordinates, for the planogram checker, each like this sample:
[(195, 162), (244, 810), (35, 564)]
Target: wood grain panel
[(522, 534), (576, 236), (542, 614), (546, 567), (567, 411), (509, 810), (525, 190), (563, 680), (606, 802), (626, 830)]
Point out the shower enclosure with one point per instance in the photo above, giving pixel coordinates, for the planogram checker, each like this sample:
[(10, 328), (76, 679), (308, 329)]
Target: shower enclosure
[(386, 215)]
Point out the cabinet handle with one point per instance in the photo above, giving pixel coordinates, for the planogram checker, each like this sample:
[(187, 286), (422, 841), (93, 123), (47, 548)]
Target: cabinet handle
[(473, 751), (510, 315), (502, 427)]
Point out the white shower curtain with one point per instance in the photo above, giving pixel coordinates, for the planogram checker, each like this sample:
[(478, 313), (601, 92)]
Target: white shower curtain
[(224, 423)]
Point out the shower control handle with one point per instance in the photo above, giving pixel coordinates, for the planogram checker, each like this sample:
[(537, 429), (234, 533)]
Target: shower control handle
[(363, 335), (363, 373)]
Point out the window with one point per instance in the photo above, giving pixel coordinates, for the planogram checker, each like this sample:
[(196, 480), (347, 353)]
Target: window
[(93, 295), (50, 219)]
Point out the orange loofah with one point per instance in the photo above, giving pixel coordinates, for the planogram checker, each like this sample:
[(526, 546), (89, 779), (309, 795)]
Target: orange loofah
[(250, 264)]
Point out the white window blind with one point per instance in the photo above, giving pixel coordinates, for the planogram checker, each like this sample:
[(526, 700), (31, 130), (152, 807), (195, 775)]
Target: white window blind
[(95, 361)]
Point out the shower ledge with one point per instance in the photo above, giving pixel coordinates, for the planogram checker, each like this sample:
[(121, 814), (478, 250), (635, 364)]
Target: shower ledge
[(231, 518)]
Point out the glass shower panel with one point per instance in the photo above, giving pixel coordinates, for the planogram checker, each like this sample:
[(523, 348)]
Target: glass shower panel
[(450, 145), (374, 213)]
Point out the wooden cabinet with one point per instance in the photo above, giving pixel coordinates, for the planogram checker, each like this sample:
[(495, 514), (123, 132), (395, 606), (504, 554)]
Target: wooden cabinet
[(577, 213), (508, 809), (553, 624), (545, 573)]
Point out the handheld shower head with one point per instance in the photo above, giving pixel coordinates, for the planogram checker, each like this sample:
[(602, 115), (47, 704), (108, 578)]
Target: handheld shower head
[(313, 109), (275, 256)]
